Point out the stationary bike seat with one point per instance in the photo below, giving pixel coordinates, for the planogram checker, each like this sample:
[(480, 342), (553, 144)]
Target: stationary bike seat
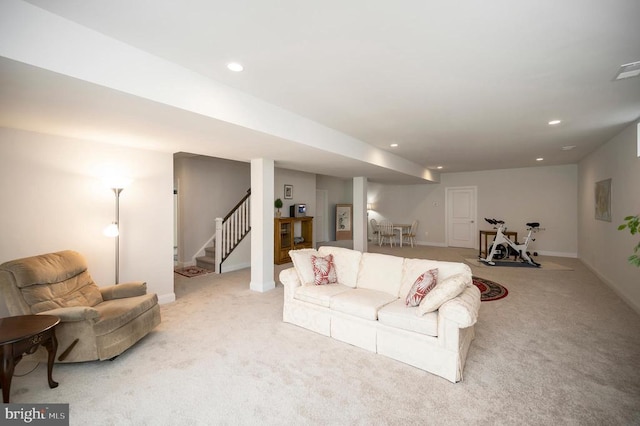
[(534, 224)]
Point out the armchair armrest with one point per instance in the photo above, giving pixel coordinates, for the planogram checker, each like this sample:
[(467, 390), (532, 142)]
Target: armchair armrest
[(121, 291), (463, 309), (74, 313)]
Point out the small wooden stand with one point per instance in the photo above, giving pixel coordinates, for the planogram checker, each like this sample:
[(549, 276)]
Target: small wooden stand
[(284, 238)]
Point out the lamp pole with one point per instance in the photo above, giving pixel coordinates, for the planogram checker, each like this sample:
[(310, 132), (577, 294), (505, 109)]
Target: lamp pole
[(117, 192)]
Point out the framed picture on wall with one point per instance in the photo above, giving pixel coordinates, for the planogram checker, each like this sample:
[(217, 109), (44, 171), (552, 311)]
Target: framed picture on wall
[(344, 219), (288, 192), (603, 200)]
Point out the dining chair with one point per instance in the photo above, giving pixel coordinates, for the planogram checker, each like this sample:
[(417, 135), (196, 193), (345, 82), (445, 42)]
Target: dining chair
[(411, 233), (386, 231), (374, 228)]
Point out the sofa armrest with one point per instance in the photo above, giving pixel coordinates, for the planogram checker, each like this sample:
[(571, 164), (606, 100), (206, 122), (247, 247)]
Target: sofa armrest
[(290, 280), (463, 309), (121, 291), (74, 313)]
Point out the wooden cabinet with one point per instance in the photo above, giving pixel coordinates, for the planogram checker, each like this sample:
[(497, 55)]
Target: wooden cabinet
[(291, 233)]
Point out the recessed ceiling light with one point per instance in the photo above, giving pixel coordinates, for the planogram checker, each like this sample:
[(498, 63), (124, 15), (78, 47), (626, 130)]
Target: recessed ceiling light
[(629, 70), (554, 122), (568, 147), (234, 66), (394, 145), (439, 167), (539, 159)]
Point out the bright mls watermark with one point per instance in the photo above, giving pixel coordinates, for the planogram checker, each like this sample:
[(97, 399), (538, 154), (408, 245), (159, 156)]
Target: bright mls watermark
[(35, 414)]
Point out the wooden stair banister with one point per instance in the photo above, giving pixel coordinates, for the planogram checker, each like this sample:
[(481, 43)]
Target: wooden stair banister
[(232, 229)]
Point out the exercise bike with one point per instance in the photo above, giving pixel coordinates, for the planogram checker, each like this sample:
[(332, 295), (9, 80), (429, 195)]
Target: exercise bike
[(503, 246)]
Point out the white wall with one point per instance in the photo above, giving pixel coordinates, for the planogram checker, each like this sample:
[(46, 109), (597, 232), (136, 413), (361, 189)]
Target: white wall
[(340, 191), (54, 199), (544, 194), (601, 246), (207, 188)]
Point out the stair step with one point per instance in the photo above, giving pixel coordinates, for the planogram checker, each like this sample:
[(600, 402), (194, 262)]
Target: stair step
[(210, 251), (206, 262)]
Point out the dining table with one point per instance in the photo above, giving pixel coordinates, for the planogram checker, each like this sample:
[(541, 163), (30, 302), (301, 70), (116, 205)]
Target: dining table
[(401, 227)]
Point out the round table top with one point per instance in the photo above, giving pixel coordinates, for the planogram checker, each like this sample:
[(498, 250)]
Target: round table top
[(13, 329)]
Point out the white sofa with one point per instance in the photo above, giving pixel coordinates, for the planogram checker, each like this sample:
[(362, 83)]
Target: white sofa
[(366, 307)]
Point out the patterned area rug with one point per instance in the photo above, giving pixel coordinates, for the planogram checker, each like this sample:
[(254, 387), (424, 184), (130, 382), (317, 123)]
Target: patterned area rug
[(192, 271), (489, 290)]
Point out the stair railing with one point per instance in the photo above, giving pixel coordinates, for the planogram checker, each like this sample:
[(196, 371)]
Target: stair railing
[(231, 229)]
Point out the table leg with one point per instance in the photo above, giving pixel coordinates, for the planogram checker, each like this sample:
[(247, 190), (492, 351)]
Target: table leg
[(399, 229), (52, 347), (6, 372)]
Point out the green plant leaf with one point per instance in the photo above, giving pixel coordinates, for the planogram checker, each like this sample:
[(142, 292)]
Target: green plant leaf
[(633, 223)]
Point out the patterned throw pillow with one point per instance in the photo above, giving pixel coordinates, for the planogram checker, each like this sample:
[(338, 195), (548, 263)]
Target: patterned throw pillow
[(324, 270), (423, 285)]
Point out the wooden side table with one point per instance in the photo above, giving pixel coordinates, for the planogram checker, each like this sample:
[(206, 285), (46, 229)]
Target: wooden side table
[(487, 234), (21, 335)]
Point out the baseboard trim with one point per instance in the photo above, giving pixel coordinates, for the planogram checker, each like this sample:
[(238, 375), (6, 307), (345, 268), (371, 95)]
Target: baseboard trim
[(262, 287), (235, 267), (612, 286), (557, 254), (430, 243), (166, 298)]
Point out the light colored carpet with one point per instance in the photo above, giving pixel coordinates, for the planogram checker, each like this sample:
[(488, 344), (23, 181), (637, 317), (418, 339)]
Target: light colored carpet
[(561, 349), (548, 265)]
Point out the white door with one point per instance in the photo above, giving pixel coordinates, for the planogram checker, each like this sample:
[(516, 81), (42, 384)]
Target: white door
[(321, 224), (461, 216)]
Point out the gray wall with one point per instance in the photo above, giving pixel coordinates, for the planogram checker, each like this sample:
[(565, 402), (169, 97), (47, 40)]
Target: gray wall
[(601, 246)]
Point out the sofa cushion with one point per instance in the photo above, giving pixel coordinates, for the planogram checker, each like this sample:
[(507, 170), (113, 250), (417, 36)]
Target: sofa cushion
[(346, 261), (324, 272), (381, 272), (302, 262), (423, 285), (319, 294), (361, 302), (398, 315), (413, 268), (118, 312), (444, 291)]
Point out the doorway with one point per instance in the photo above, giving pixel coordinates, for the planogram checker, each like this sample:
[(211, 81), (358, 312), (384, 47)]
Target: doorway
[(461, 216)]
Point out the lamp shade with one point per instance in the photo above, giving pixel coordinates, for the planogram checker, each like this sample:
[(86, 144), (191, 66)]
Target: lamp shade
[(111, 230)]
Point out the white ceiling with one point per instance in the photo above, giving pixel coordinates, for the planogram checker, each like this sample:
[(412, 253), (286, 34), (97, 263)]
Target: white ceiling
[(467, 85)]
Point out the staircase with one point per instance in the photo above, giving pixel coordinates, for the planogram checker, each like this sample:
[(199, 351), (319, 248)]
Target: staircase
[(230, 231), (208, 261)]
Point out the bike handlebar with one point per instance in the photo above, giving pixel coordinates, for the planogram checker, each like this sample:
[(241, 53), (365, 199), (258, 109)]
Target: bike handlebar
[(494, 221), (501, 222)]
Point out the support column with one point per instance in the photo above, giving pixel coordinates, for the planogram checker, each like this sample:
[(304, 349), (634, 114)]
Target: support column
[(262, 196), (360, 214)]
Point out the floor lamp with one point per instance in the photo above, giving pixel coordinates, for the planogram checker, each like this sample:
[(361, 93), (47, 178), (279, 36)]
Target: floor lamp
[(113, 230)]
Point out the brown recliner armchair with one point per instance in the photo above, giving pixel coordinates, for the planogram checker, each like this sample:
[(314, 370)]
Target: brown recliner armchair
[(96, 323)]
